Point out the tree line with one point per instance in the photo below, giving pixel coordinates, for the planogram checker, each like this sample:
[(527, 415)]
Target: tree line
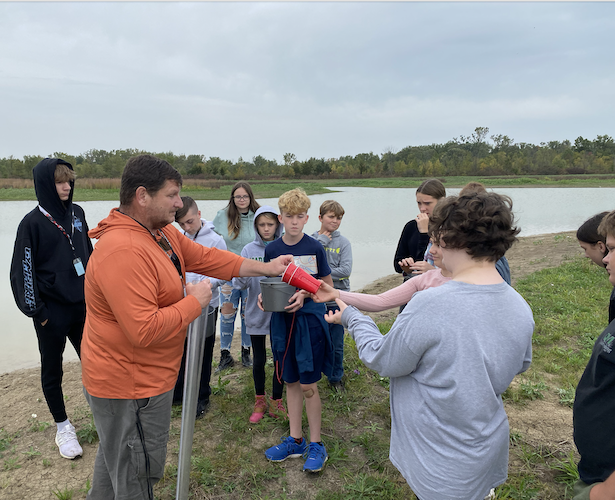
[(476, 154)]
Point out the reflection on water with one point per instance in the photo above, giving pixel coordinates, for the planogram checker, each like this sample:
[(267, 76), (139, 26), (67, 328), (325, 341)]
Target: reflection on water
[(373, 222)]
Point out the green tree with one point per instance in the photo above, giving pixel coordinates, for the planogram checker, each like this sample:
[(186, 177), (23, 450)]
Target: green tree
[(501, 143), (388, 160), (29, 162), (64, 156), (477, 145), (581, 144), (604, 145), (289, 159)]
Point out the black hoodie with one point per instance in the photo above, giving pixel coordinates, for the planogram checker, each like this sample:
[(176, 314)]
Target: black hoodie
[(42, 270)]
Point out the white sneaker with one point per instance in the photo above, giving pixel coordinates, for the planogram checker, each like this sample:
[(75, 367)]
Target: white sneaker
[(66, 439)]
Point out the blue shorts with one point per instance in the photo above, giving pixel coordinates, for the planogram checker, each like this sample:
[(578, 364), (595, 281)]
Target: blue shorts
[(288, 363)]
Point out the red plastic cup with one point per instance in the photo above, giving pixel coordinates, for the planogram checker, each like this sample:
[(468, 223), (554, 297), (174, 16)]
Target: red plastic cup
[(297, 277), (290, 269)]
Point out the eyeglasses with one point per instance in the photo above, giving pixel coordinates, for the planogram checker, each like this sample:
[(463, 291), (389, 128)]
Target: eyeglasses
[(240, 198)]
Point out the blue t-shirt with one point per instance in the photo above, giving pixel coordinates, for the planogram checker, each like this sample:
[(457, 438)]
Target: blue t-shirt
[(308, 322), (308, 254)]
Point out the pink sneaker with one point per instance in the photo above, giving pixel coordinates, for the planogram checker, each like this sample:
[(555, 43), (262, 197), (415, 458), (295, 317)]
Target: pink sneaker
[(260, 407), (276, 409)]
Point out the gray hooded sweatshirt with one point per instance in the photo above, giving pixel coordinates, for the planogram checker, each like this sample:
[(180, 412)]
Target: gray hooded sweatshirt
[(257, 321), (339, 257)]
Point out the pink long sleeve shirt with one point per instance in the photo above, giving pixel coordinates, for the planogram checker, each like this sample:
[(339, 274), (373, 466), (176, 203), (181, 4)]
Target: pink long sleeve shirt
[(397, 296)]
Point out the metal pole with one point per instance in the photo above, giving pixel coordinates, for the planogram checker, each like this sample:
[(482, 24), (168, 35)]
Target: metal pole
[(194, 362)]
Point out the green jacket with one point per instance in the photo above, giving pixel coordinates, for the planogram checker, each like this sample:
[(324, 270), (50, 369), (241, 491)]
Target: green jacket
[(246, 234)]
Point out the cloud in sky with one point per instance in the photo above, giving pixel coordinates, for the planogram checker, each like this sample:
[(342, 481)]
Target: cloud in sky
[(314, 79)]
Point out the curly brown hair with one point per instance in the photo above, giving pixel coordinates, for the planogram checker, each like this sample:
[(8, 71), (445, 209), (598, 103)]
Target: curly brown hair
[(480, 223)]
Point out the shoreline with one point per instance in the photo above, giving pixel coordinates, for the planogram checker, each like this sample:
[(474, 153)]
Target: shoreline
[(528, 254)]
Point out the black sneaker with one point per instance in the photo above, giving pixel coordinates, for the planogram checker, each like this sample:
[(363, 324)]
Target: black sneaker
[(246, 359), (226, 361), (338, 386), (202, 407)]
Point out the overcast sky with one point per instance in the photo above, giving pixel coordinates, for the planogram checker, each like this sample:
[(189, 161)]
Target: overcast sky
[(313, 79)]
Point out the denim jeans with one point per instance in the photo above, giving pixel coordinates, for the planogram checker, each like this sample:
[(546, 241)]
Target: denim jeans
[(227, 321), (337, 340)]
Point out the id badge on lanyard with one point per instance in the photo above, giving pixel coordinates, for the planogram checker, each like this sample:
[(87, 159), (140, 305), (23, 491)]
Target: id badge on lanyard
[(78, 265)]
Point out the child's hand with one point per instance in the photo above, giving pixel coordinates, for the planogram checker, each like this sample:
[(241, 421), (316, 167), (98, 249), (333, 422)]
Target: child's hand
[(259, 302), (326, 293), (406, 265), (336, 317), (421, 267), (296, 301), (422, 222), (325, 232)]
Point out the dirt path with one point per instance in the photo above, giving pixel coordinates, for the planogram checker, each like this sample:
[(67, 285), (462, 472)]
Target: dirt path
[(32, 467)]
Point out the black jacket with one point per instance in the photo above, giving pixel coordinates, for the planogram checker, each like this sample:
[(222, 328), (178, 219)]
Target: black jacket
[(412, 243), (592, 413), (42, 268)]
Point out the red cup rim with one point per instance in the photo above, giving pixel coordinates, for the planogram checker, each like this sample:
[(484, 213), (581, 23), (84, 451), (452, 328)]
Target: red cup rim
[(286, 270)]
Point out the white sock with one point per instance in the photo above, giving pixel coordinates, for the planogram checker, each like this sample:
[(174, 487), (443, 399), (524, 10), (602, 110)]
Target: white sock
[(61, 425)]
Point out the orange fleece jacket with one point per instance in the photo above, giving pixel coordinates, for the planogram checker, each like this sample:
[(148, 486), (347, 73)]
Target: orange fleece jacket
[(137, 315)]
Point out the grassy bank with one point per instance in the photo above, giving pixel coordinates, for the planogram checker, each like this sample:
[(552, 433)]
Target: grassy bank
[(202, 189), (569, 305), (570, 309)]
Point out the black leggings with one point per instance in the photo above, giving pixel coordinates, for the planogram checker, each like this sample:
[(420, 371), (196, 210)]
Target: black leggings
[(259, 352), (64, 322)]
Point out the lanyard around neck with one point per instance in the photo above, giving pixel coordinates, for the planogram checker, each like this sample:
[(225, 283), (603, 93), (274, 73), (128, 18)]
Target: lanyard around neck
[(196, 235), (59, 226), (165, 244)]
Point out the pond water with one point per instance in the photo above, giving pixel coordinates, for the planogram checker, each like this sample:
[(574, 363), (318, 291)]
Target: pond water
[(373, 223)]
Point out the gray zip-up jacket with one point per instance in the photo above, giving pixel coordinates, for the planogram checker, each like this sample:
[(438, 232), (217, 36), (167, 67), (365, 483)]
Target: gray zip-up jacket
[(339, 257), (257, 321)]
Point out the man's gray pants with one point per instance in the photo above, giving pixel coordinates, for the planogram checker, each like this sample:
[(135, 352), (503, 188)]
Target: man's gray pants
[(133, 445)]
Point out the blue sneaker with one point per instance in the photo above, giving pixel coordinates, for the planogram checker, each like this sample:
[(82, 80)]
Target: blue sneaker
[(288, 449), (316, 458)]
